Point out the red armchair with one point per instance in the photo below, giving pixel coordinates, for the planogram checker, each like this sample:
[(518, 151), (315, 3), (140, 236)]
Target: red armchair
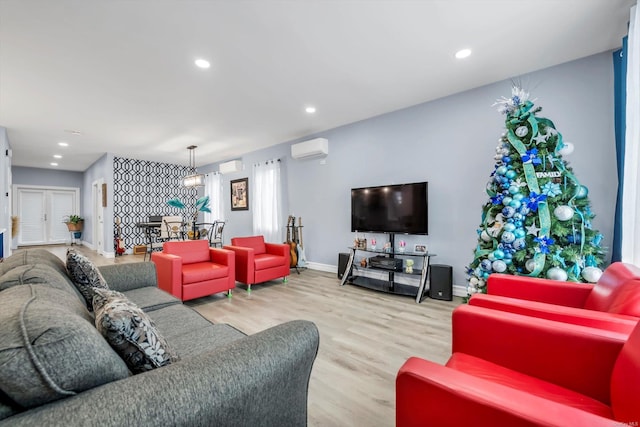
[(613, 303), (509, 369), (257, 261), (191, 269)]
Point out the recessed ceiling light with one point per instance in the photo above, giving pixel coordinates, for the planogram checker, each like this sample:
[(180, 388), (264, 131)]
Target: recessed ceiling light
[(202, 63), (63, 144), (53, 164), (310, 110), (57, 156), (463, 53)]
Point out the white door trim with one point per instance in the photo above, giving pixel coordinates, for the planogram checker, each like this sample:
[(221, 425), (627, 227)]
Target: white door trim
[(98, 216)]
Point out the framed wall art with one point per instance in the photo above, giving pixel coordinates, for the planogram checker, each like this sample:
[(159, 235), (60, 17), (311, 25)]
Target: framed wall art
[(240, 194)]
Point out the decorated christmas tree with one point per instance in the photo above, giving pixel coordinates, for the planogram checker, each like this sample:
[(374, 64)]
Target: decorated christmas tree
[(537, 221)]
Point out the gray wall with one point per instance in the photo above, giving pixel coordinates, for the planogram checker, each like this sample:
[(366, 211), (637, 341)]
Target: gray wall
[(48, 177), (450, 143), (101, 169)]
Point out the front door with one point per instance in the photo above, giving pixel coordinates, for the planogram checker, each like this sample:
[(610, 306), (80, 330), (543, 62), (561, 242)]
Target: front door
[(41, 212)]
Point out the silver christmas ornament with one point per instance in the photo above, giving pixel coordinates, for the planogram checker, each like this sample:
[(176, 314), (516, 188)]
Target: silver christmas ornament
[(522, 131)]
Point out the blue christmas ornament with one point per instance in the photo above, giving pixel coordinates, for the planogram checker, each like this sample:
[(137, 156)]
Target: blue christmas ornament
[(581, 192), (524, 210), (508, 237), (514, 189), (486, 265), (520, 233), (497, 199), (501, 170), (509, 227), (515, 204), (506, 159), (511, 174), (491, 257), (574, 238), (498, 254), (508, 211), (506, 200), (518, 244)]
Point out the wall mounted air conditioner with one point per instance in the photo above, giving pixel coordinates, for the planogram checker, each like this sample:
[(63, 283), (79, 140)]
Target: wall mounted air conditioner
[(232, 166), (308, 149)]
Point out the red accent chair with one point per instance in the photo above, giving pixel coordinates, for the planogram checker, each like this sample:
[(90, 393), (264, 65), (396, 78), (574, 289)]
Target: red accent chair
[(613, 303), (257, 261), (512, 370), (191, 269)]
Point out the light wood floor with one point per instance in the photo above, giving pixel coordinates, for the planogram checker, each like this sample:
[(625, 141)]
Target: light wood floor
[(365, 336)]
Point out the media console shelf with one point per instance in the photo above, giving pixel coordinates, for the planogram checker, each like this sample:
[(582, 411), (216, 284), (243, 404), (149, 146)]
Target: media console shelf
[(390, 285)]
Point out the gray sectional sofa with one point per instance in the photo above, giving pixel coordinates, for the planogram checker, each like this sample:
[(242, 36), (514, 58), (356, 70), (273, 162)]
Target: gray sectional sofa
[(56, 369)]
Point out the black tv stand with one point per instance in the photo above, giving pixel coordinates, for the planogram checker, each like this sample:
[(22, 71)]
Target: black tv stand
[(389, 285)]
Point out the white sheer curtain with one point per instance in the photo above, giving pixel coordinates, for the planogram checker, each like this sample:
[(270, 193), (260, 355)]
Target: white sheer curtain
[(631, 190), (266, 199), (213, 189)]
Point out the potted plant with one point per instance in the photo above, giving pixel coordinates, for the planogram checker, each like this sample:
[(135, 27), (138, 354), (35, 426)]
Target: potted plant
[(74, 222)]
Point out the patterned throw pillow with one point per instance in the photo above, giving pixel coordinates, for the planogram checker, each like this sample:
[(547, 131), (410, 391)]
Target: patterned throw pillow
[(85, 275), (131, 333)]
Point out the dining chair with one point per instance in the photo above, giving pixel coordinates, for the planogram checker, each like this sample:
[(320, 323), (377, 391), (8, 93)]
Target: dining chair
[(216, 234), (172, 228), (154, 243), (203, 229)]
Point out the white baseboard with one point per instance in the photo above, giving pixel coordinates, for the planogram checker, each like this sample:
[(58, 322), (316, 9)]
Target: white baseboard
[(322, 267), (459, 291)]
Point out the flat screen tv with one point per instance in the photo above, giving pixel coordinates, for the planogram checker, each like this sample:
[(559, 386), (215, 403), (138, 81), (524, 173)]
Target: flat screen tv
[(399, 208)]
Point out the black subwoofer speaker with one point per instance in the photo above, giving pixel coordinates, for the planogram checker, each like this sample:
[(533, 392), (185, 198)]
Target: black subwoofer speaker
[(441, 278), (343, 259)]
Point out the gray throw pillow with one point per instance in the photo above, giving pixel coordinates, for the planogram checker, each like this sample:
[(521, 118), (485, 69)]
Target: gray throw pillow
[(85, 275), (131, 333), (49, 347)]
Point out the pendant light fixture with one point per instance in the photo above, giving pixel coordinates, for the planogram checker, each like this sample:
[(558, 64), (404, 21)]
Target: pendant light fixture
[(195, 179)]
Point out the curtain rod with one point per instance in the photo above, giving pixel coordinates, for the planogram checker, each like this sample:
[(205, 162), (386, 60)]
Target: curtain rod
[(267, 162)]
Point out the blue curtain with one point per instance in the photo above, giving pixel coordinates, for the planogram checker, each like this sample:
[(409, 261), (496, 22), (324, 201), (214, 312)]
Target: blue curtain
[(620, 101)]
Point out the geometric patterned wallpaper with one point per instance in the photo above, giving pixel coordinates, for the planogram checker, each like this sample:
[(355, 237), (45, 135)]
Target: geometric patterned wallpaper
[(142, 188)]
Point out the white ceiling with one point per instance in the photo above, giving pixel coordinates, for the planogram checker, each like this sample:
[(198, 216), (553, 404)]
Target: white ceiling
[(122, 72)]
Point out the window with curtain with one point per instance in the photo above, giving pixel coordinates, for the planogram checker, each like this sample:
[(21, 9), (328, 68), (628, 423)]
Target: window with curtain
[(213, 189), (267, 200)]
